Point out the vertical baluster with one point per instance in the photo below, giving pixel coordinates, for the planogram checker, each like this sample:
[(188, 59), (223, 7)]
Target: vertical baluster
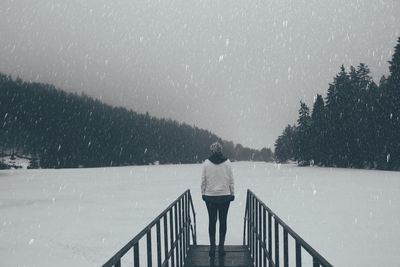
[(166, 238), (256, 233), (148, 242), (259, 235), (252, 227), (176, 235), (118, 263), (158, 230), (276, 243), (187, 225), (188, 220), (180, 232), (269, 237), (171, 231), (298, 254), (264, 236), (136, 255), (184, 224), (285, 248), (248, 220), (244, 221)]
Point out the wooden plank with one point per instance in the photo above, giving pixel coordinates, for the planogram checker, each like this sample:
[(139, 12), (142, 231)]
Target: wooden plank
[(227, 248), (236, 256)]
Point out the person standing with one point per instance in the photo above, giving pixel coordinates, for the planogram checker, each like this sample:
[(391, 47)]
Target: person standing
[(217, 189)]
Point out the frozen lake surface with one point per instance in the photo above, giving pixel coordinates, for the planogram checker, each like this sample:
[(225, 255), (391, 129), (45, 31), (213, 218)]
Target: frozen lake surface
[(81, 217)]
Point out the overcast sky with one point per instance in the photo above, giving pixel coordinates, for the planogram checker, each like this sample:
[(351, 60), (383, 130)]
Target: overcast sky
[(237, 67)]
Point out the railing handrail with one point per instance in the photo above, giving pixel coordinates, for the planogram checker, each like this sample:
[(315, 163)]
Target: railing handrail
[(289, 230), (117, 256)]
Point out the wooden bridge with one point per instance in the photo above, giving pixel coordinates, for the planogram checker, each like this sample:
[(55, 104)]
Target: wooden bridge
[(170, 240)]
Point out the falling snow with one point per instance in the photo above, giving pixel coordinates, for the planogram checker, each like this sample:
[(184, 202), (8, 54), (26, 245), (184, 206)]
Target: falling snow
[(242, 56)]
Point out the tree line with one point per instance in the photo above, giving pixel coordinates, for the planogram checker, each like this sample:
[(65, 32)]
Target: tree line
[(356, 125), (66, 130)]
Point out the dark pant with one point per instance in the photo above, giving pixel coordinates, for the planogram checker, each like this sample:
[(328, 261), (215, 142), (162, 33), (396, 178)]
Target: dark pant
[(222, 210)]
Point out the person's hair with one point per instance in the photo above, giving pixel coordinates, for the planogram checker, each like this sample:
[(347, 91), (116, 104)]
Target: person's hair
[(215, 148)]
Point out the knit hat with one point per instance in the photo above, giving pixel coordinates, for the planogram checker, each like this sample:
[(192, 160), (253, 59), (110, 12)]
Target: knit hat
[(215, 148)]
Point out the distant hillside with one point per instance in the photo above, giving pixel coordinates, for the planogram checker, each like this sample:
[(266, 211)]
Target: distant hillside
[(65, 130)]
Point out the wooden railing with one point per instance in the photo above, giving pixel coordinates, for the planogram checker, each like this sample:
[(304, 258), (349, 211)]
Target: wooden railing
[(258, 223), (176, 223)]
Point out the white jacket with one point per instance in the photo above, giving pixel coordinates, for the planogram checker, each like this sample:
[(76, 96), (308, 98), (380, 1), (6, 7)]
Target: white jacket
[(217, 179)]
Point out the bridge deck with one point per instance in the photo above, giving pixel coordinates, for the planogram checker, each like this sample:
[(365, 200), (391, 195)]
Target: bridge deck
[(236, 256)]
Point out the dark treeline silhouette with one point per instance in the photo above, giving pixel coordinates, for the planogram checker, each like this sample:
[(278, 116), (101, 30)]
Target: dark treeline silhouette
[(63, 130), (357, 125)]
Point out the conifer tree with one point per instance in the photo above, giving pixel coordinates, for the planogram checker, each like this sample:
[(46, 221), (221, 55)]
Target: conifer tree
[(284, 145), (357, 119), (337, 115), (318, 131), (392, 111), (303, 134)]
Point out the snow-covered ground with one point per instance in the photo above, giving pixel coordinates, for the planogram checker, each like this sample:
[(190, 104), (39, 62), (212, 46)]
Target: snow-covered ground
[(81, 217)]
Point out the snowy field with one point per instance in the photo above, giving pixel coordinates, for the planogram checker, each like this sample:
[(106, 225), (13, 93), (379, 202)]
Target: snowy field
[(81, 217)]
